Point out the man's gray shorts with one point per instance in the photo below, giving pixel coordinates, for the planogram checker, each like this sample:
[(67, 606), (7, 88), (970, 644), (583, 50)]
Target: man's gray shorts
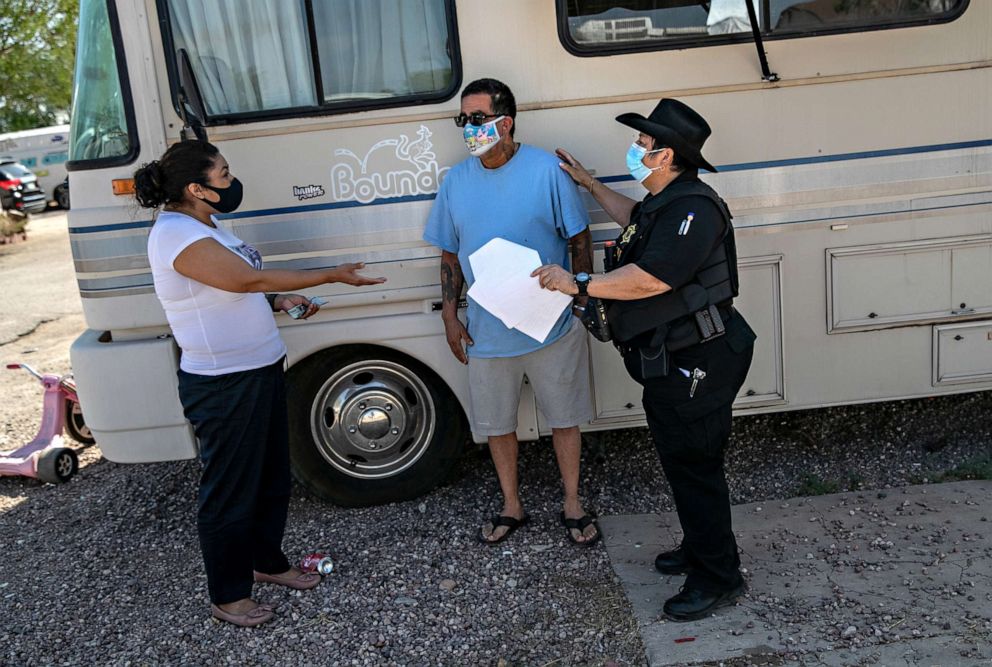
[(559, 374)]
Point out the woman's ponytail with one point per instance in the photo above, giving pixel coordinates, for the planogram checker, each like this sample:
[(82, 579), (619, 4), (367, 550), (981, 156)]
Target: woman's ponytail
[(148, 185)]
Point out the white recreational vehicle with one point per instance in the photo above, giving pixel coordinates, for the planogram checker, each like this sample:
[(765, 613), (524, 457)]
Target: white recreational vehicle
[(854, 142), (44, 151)]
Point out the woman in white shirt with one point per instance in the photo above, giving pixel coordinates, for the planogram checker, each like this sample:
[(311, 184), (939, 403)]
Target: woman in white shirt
[(219, 303)]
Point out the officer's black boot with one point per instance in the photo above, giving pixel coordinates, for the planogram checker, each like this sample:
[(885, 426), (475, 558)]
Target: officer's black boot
[(693, 603), (672, 562)]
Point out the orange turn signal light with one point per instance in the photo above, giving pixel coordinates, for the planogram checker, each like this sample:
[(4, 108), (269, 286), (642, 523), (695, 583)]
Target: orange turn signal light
[(123, 186)]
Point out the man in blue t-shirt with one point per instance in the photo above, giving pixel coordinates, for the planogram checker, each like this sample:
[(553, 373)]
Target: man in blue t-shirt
[(519, 193)]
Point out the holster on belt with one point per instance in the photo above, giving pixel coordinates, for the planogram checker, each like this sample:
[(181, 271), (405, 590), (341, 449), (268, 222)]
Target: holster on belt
[(702, 326), (654, 356)]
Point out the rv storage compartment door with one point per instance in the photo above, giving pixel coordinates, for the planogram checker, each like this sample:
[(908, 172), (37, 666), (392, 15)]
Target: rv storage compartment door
[(962, 353), (899, 284), (761, 304)]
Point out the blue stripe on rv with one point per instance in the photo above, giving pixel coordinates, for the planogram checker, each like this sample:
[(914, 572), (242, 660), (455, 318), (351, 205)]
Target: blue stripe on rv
[(744, 166)]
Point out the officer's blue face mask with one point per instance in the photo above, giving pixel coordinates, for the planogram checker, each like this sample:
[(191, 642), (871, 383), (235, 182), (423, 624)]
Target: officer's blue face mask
[(635, 162)]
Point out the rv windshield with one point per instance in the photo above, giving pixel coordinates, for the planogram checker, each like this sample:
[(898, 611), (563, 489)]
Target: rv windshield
[(99, 130)]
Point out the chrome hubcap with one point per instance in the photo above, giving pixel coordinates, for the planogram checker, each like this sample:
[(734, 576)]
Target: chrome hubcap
[(372, 419)]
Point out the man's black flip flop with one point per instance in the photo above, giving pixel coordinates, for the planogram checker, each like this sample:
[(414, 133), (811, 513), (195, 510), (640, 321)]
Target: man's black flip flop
[(580, 525), (511, 523)]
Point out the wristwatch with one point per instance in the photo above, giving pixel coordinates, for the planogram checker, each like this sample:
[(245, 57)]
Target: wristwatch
[(582, 282)]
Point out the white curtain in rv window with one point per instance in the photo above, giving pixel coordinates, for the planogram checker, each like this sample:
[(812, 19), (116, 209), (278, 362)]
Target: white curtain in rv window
[(247, 55), (728, 16), (381, 48)]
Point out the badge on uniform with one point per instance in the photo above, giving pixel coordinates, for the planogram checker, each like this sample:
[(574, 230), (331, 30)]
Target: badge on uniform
[(628, 233), (684, 228)]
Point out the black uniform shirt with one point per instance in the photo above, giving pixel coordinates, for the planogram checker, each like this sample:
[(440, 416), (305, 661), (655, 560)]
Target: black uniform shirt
[(678, 238)]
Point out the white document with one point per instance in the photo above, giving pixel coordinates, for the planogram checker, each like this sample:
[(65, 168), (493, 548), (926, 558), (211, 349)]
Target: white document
[(504, 287)]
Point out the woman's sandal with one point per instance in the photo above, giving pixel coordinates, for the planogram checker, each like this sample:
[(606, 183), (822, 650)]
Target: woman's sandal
[(580, 525), (303, 581), (511, 523), (249, 619)]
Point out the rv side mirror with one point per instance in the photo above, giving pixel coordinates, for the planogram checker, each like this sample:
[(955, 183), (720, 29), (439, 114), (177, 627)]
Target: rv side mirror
[(190, 100)]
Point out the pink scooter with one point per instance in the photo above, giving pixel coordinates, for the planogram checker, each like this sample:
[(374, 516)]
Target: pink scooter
[(46, 457)]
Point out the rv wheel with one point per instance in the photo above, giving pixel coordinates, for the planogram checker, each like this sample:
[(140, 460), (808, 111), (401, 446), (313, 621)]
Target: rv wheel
[(368, 426)]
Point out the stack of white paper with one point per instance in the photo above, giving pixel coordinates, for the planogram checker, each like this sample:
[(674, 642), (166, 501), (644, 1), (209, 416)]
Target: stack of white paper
[(503, 286)]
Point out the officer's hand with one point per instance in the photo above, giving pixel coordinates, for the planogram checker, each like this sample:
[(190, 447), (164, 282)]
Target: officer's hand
[(456, 332), (574, 168), (553, 277)]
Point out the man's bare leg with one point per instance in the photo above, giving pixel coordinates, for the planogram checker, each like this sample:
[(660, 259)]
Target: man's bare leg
[(504, 449), (568, 450)]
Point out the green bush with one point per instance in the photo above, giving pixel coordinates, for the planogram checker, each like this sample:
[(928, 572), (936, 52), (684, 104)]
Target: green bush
[(11, 225), (979, 468), (813, 485)]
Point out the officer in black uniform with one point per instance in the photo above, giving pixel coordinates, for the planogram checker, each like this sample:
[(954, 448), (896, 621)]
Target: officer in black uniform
[(671, 280)]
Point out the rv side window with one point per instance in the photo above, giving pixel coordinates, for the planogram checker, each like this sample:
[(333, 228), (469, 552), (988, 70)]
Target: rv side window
[(600, 27), (374, 50), (263, 58)]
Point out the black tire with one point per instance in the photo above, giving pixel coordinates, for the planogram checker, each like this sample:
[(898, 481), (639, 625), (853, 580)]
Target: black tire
[(57, 465), (62, 197), (369, 426), (75, 425)]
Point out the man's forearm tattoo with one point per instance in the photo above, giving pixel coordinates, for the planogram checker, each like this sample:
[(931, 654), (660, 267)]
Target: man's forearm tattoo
[(451, 280), (582, 252)]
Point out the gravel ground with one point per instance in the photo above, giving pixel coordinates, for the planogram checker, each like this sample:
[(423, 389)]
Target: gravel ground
[(106, 569)]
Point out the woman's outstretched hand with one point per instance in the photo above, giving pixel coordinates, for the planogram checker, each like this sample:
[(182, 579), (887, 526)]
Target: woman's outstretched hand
[(574, 169), (348, 273)]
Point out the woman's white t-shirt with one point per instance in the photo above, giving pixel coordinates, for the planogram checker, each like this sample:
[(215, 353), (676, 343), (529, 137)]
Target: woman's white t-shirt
[(218, 331)]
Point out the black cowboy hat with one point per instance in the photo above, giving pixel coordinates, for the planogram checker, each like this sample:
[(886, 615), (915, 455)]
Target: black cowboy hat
[(676, 126)]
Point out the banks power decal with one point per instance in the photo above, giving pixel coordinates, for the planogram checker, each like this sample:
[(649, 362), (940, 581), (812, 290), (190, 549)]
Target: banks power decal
[(409, 168)]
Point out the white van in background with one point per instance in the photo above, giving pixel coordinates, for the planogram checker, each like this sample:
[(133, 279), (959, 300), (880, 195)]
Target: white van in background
[(44, 151)]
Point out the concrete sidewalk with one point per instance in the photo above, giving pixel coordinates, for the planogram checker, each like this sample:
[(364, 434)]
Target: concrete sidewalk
[(895, 577)]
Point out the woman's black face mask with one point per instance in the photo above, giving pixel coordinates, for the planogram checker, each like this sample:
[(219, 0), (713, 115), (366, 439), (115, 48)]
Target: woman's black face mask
[(230, 197)]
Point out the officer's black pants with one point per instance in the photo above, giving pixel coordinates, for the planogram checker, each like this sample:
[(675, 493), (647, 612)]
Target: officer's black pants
[(241, 425), (691, 435)]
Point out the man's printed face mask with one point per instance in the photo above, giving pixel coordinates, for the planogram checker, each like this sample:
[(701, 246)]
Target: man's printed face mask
[(480, 138)]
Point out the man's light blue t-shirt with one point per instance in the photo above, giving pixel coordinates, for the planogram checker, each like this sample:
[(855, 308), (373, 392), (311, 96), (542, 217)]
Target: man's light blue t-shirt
[(529, 200)]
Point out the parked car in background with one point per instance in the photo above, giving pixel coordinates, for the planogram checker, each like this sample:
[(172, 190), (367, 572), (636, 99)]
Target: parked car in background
[(19, 189), (61, 194), (44, 151)]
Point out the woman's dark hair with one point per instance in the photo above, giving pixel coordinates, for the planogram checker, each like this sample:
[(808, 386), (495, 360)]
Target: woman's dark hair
[(504, 104), (678, 164), (163, 181)]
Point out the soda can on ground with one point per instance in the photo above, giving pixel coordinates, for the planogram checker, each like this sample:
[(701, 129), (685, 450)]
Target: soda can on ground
[(317, 562)]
